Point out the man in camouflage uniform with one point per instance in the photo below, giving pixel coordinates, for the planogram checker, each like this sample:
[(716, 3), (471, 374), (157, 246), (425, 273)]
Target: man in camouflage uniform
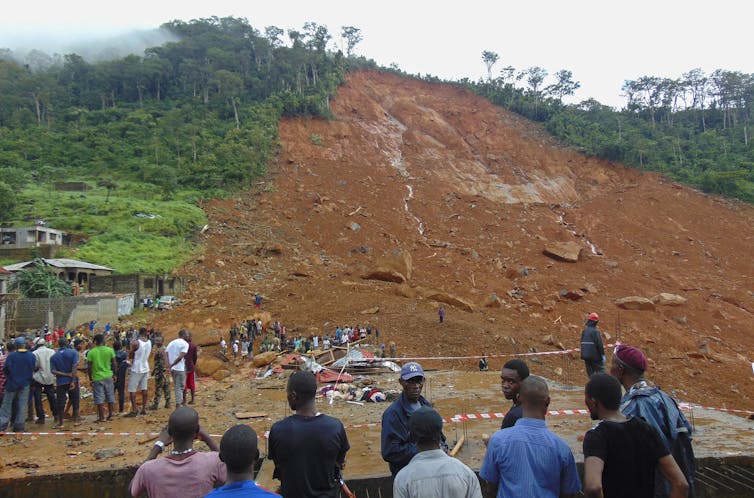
[(160, 374)]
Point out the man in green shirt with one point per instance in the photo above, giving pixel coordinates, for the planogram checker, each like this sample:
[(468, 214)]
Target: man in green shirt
[(101, 372)]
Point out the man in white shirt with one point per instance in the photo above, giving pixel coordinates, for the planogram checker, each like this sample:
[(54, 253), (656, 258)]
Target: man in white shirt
[(431, 472), (140, 350), (175, 352), (43, 380)]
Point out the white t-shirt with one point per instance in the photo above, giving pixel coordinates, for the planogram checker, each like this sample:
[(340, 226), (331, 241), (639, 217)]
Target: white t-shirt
[(141, 357), (175, 348)]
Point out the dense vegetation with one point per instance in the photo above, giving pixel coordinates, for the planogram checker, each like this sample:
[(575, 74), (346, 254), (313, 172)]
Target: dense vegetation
[(695, 129), (193, 118)]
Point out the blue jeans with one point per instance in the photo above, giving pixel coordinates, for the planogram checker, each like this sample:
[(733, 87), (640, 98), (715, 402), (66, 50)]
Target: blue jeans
[(5, 410)]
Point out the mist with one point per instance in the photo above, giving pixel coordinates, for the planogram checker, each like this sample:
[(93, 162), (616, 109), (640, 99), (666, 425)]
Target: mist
[(40, 52)]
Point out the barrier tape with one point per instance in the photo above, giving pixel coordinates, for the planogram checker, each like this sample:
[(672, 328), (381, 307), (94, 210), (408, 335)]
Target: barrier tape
[(454, 419)]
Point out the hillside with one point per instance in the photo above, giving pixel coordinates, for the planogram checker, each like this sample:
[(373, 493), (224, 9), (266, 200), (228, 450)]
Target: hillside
[(468, 195)]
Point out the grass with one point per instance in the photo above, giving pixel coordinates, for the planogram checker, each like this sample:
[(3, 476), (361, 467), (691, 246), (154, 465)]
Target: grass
[(134, 230)]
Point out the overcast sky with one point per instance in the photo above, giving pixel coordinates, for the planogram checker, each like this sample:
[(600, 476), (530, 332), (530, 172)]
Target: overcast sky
[(603, 42)]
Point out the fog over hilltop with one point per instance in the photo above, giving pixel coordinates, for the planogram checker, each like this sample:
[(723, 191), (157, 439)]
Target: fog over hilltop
[(43, 51)]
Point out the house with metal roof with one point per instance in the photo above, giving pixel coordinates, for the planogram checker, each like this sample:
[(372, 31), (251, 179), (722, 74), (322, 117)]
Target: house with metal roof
[(77, 273)]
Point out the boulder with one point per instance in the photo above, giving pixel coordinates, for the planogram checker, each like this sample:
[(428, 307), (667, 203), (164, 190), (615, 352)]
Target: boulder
[(492, 301), (221, 374), (564, 251), (455, 301), (666, 299), (370, 311), (573, 295), (395, 266), (635, 303), (208, 365), (404, 290), (385, 274), (264, 359)]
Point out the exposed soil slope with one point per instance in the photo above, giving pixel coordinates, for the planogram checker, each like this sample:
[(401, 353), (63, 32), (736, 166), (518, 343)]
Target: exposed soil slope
[(473, 194)]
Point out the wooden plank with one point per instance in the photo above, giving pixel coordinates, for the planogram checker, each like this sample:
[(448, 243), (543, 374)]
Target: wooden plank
[(245, 415)]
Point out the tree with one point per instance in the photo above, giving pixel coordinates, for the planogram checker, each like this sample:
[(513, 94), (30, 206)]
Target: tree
[(7, 201), (39, 282), (352, 36), (489, 59), (109, 185), (564, 85), (535, 75)]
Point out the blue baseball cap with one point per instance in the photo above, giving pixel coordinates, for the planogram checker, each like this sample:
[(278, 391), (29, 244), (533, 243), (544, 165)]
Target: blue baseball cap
[(20, 341), (411, 370)]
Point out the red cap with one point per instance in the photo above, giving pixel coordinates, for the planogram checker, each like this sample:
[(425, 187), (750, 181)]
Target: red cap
[(631, 356), (593, 317)]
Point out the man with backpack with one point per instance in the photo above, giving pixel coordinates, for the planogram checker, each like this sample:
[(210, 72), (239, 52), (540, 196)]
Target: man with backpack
[(659, 410)]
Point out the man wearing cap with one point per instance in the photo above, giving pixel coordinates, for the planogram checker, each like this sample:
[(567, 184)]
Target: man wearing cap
[(645, 400), (431, 472), (528, 459), (622, 455), (592, 350), (19, 368), (43, 381), (397, 448)]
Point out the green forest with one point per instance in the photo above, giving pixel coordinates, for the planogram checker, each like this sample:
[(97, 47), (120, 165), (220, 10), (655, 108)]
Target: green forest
[(153, 135)]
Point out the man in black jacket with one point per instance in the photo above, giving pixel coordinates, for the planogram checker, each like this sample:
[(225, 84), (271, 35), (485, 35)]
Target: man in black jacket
[(592, 350)]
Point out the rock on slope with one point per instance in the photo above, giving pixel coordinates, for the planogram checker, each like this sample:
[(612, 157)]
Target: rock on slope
[(473, 194)]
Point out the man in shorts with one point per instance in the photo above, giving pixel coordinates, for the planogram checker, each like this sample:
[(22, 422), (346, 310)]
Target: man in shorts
[(140, 350), (101, 373)]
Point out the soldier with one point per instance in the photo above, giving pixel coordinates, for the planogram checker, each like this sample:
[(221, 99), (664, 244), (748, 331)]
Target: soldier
[(160, 374)]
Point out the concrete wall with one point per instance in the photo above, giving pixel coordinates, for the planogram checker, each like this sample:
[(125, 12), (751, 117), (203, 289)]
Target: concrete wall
[(70, 312), (139, 284), (24, 254)]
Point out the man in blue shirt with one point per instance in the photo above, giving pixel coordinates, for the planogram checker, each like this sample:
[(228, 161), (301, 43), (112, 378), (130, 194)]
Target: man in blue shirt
[(64, 364), (397, 448), (239, 452), (528, 459), (19, 368)]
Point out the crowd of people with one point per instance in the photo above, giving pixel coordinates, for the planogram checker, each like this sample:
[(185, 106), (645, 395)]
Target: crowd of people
[(250, 337), (32, 368), (640, 447)]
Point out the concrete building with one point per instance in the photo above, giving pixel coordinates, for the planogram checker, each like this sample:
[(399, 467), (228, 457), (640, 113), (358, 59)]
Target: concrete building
[(34, 236)]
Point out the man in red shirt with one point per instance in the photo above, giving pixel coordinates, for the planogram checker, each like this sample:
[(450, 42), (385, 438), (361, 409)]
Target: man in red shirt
[(191, 357)]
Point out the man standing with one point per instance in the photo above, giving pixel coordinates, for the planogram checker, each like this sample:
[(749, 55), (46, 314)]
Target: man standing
[(19, 368), (308, 448), (441, 313), (622, 455), (176, 353), (101, 373), (184, 471), (64, 364), (239, 453), (191, 358), (140, 350), (592, 350), (528, 459), (397, 448), (513, 373), (659, 410), (432, 472), (160, 374), (43, 381)]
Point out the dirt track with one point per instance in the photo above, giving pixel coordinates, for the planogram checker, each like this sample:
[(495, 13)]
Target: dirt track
[(473, 194)]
